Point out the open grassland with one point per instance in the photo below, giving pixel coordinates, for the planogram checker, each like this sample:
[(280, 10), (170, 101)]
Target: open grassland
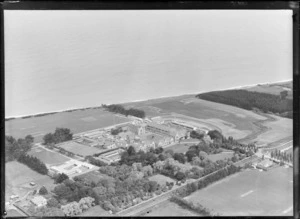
[(18, 176), (48, 157), (272, 89), (79, 149), (220, 156), (94, 176), (170, 209), (77, 121), (281, 128), (179, 148), (250, 193), (161, 179)]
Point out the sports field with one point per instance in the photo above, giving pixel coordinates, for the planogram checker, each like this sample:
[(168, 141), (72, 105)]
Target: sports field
[(250, 193), (18, 176), (170, 209), (47, 156), (161, 179), (77, 121), (220, 156), (80, 149)]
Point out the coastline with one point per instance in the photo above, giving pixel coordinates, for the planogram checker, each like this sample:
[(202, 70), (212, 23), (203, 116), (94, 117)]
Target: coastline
[(134, 101)]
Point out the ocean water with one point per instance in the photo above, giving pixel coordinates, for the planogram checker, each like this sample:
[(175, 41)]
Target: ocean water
[(56, 60)]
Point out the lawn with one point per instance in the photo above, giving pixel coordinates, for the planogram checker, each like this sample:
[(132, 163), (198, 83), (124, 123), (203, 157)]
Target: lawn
[(77, 121), (95, 211), (94, 176), (250, 193), (161, 179), (179, 148), (18, 176), (220, 156), (80, 149), (48, 157), (170, 209)]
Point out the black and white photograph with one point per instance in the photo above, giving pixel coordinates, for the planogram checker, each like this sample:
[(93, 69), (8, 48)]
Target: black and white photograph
[(148, 113)]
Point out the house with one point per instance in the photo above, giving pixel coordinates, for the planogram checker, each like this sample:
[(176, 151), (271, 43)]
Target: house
[(39, 201)]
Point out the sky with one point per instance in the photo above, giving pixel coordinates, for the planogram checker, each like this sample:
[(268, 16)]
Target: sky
[(57, 60)]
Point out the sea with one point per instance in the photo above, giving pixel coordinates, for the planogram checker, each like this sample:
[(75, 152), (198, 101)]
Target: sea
[(59, 60)]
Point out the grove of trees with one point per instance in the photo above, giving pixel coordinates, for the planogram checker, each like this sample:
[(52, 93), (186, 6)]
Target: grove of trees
[(117, 108), (250, 100), (33, 163), (14, 148), (60, 135)]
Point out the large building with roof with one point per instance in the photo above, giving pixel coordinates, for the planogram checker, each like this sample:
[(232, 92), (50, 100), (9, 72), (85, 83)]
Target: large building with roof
[(165, 130)]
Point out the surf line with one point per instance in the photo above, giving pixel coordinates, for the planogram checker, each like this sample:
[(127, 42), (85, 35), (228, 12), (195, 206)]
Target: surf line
[(247, 193)]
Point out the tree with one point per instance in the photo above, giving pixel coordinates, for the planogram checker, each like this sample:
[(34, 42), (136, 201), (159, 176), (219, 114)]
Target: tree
[(43, 191), (131, 151), (49, 138), (180, 176), (60, 178), (52, 202), (29, 139), (202, 155), (180, 157), (153, 186), (283, 94), (63, 192)]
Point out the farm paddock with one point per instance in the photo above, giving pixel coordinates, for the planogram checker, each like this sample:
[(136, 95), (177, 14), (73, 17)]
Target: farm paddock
[(250, 193)]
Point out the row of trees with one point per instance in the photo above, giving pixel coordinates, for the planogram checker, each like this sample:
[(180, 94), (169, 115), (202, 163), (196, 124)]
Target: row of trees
[(95, 161), (287, 157), (60, 135), (197, 135), (117, 108), (250, 100), (75, 208), (198, 208), (33, 163), (15, 148)]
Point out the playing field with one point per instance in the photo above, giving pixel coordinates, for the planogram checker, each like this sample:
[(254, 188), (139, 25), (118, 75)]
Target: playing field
[(220, 156), (250, 193), (80, 149), (161, 179), (170, 209), (47, 156), (18, 176), (77, 121)]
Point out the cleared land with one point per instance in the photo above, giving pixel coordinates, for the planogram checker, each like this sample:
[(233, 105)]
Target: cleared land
[(18, 176), (161, 179), (220, 156), (273, 89), (48, 157), (169, 209), (77, 121), (250, 193), (80, 149)]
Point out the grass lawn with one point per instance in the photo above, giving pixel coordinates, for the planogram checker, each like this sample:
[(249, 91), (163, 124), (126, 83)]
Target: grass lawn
[(95, 211), (170, 209), (77, 121), (250, 193), (48, 157), (95, 176), (220, 156), (80, 149), (18, 176), (161, 179), (179, 148)]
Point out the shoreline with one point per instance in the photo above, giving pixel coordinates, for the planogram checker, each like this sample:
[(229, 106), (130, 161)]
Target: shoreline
[(134, 101)]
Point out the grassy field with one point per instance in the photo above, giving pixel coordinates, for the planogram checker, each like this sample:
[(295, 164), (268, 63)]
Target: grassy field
[(179, 148), (250, 193), (161, 179), (80, 149), (279, 129), (77, 121), (95, 211), (169, 209), (94, 176), (231, 120), (48, 157), (14, 213), (273, 89), (220, 156), (18, 176)]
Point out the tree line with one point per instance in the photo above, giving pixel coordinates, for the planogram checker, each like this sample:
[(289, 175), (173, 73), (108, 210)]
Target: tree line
[(14, 148), (282, 156), (34, 163), (60, 135), (250, 100), (117, 108)]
